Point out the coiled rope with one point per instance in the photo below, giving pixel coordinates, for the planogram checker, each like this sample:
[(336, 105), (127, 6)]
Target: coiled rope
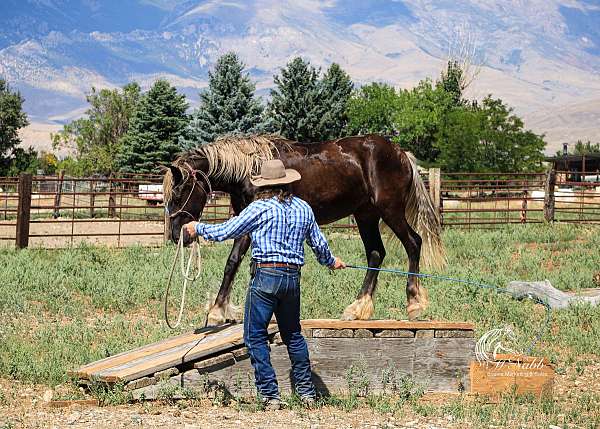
[(188, 278), (477, 284)]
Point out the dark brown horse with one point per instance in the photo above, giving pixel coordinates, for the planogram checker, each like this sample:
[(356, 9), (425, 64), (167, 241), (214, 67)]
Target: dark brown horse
[(366, 176)]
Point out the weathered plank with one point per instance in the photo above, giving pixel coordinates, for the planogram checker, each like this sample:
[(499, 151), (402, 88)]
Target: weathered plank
[(71, 402), (395, 333), (147, 361), (382, 324), (173, 357), (442, 364), (332, 333), (140, 382), (341, 365), (424, 333), (121, 358), (453, 333), (363, 333)]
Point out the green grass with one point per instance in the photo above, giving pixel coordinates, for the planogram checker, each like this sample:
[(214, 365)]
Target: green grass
[(63, 308)]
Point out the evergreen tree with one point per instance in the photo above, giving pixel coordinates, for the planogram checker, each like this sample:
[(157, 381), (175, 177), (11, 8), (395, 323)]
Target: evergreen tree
[(155, 129), (295, 103), (336, 89), (12, 118), (227, 106)]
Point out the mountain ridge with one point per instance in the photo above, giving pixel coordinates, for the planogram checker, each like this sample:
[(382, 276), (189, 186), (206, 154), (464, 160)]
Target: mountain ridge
[(539, 55)]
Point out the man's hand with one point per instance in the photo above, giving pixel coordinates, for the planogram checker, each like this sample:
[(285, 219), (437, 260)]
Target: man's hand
[(338, 264), (191, 229)]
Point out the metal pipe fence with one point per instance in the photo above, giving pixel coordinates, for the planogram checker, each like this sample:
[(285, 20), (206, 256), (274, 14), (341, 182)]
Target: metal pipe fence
[(128, 210)]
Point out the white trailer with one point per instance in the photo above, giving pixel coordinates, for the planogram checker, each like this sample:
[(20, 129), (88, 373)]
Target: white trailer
[(153, 194)]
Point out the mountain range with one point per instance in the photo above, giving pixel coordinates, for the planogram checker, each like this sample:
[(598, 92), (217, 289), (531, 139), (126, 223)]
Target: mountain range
[(540, 56)]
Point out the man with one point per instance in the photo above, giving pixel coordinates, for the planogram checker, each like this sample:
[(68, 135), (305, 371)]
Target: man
[(278, 223)]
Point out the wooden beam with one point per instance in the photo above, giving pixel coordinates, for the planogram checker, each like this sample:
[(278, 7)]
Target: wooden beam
[(383, 324), (23, 210)]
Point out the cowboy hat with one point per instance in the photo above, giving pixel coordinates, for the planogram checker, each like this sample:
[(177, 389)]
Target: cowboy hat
[(273, 172)]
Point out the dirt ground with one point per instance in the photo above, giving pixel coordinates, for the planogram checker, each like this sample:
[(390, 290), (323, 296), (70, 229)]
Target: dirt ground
[(23, 406), (26, 408), (65, 226)]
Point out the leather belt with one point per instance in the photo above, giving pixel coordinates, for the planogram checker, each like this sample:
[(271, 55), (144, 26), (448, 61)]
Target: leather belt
[(277, 265)]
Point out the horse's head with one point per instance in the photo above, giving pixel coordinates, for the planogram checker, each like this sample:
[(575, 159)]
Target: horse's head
[(185, 191)]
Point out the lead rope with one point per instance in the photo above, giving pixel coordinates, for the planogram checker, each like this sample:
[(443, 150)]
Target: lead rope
[(497, 289), (185, 273)]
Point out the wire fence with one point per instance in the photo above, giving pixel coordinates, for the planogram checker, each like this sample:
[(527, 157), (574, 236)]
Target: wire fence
[(60, 211)]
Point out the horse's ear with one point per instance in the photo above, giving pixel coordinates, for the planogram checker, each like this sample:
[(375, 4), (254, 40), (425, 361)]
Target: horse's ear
[(177, 176)]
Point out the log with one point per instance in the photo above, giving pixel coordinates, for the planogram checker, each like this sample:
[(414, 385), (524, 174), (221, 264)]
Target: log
[(544, 291)]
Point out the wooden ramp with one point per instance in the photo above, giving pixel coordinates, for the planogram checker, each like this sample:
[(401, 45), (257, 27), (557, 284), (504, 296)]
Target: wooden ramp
[(169, 353), (381, 353)]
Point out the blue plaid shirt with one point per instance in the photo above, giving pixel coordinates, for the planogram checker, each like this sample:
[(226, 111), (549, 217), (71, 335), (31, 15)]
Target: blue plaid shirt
[(277, 231)]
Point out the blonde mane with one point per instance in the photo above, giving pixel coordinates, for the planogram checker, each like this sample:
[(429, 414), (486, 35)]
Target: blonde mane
[(233, 158), (168, 182), (230, 158)]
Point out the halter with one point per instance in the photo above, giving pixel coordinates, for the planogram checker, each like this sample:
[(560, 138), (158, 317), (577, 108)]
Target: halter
[(193, 172)]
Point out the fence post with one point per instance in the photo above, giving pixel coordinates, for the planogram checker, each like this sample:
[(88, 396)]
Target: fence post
[(523, 217), (112, 212), (23, 210), (167, 235), (549, 200), (59, 186), (435, 189), (92, 198)]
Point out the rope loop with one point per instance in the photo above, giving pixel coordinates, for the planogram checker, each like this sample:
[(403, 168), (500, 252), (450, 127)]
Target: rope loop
[(188, 278)]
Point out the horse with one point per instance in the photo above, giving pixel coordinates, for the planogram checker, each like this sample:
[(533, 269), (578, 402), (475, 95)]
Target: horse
[(365, 176)]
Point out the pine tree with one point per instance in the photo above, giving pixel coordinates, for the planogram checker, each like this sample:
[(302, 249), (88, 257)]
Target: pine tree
[(12, 118), (294, 105), (227, 106), (336, 89), (155, 129)]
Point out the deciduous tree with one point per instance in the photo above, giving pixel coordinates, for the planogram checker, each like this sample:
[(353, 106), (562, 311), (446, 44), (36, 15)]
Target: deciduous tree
[(373, 109), (95, 139), (12, 119)]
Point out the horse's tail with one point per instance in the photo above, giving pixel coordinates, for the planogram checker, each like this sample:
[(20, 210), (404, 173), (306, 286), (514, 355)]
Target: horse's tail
[(424, 219)]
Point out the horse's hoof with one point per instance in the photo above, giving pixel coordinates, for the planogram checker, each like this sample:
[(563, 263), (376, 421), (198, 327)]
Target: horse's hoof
[(361, 309), (216, 317), (414, 312), (346, 316)]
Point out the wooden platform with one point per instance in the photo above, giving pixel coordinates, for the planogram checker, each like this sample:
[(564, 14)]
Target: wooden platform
[(372, 356)]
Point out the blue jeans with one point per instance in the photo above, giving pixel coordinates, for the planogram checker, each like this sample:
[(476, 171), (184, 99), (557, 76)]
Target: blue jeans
[(276, 290)]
